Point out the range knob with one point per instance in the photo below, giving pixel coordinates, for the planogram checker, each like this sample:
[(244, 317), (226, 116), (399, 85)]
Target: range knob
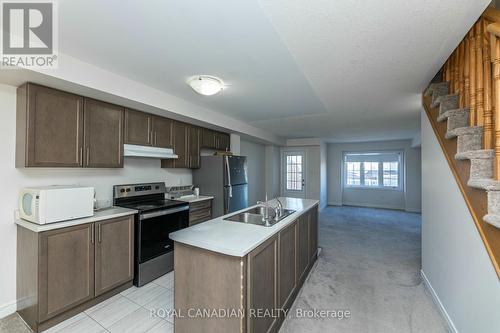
[(122, 190), (128, 189)]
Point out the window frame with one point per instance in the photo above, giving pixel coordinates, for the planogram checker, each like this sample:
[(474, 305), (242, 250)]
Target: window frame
[(362, 186)]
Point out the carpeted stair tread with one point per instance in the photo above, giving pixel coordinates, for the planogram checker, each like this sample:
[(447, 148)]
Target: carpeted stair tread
[(464, 131), (450, 113), (492, 219), (479, 183), (476, 154), (492, 185), (445, 99), (438, 86)]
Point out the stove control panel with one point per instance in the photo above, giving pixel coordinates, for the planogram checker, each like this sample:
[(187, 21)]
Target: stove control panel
[(132, 190)]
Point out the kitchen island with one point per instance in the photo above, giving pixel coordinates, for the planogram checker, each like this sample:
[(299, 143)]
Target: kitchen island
[(240, 277)]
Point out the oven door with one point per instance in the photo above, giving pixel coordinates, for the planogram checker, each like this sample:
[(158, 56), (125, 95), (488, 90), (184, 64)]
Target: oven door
[(154, 228)]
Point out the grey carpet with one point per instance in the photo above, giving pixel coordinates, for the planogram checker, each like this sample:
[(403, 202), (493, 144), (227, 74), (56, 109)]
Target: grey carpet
[(370, 265)]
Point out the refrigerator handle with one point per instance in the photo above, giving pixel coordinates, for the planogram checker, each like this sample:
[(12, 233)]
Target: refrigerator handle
[(230, 187)]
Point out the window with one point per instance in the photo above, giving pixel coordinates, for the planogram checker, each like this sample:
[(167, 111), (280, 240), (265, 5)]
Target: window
[(391, 173), (353, 173), (294, 172), (372, 170)]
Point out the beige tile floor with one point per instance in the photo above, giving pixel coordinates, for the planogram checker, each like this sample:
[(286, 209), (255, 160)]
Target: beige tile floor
[(130, 311)]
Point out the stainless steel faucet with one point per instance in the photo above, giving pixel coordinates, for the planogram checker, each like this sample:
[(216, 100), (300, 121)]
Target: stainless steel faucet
[(278, 209)]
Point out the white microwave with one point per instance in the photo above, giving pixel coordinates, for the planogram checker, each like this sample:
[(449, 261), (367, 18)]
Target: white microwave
[(49, 204)]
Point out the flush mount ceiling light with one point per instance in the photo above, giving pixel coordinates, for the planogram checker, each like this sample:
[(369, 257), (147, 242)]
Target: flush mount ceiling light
[(206, 85)]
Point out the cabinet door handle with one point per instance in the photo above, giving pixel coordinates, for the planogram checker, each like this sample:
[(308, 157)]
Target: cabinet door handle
[(81, 156), (99, 233), (88, 156), (92, 233)]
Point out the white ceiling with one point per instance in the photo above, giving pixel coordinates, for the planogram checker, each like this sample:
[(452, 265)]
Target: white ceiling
[(340, 70)]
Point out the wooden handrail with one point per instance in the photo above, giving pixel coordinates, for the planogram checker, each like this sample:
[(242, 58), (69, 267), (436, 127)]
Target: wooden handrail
[(494, 29), (492, 14)]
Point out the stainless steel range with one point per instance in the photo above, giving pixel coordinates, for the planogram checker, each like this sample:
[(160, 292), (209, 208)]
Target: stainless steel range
[(157, 218)]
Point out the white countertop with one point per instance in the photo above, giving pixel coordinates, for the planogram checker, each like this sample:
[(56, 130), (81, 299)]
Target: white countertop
[(194, 198), (103, 214), (234, 238)]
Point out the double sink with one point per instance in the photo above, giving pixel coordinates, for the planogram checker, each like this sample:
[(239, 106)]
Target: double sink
[(257, 215)]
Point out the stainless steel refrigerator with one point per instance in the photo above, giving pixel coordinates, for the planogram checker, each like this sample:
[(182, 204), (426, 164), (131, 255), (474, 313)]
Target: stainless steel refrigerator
[(225, 178)]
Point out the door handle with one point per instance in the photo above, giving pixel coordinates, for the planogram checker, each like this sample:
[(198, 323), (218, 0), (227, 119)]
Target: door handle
[(92, 233), (156, 141), (88, 156), (81, 156), (99, 233)]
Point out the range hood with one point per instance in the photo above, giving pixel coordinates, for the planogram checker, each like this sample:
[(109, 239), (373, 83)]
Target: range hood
[(144, 151)]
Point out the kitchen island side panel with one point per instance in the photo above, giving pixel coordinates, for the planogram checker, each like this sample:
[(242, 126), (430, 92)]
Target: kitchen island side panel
[(207, 281)]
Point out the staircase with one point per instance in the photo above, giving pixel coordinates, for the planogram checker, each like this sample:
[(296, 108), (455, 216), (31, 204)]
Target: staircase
[(463, 106)]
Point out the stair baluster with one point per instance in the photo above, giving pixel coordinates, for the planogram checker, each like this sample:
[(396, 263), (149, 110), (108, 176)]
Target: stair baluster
[(488, 135), (494, 30), (479, 75), (472, 78)]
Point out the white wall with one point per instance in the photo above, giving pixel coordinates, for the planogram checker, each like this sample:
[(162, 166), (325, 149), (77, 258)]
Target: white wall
[(273, 160), (454, 259), (409, 199), (12, 180), (323, 192), (256, 163)]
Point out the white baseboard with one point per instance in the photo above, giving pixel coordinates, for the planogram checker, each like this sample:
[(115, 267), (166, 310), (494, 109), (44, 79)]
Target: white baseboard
[(334, 204), (437, 301), (8, 309), (359, 204)]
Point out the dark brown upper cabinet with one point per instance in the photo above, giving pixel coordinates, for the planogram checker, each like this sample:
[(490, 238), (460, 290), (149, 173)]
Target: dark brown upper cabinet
[(215, 140), (103, 135), (162, 132), (138, 128), (59, 129), (208, 139), (194, 137), (49, 129), (180, 145), (145, 129), (223, 141)]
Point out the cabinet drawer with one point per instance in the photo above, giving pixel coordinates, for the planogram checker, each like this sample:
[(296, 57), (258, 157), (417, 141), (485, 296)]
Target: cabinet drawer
[(200, 214), (194, 206)]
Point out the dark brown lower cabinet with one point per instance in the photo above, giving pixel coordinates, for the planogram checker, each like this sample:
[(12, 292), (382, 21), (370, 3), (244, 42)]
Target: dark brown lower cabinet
[(114, 253), (66, 275), (313, 234), (261, 284), (64, 271), (303, 245), (287, 265), (263, 287), (200, 211)]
